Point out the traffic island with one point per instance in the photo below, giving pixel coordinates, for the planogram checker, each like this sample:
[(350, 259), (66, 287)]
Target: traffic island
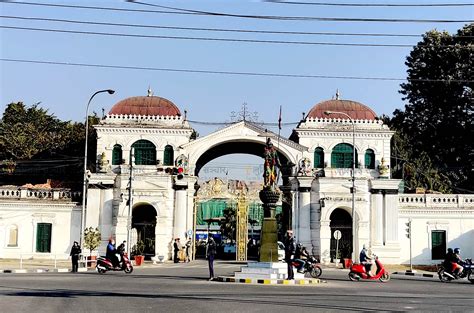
[(313, 281)]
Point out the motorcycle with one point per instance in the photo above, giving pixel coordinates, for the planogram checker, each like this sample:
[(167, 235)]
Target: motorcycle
[(446, 275), (358, 272), (104, 265), (311, 266)]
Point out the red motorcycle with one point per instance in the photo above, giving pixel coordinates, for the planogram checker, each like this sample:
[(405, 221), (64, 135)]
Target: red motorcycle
[(104, 265), (358, 272)]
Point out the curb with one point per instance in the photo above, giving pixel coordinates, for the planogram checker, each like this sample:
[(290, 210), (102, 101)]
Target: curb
[(313, 281), (415, 274), (40, 270)]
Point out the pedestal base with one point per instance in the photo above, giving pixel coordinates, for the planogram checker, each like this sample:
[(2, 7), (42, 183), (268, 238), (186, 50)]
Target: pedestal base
[(265, 270)]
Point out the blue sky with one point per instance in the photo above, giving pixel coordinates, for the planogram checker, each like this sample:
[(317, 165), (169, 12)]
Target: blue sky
[(65, 90)]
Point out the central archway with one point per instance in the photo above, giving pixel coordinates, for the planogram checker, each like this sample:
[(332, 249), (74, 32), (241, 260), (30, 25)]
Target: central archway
[(341, 220), (234, 147), (144, 221)]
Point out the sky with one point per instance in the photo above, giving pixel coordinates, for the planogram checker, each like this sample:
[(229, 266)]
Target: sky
[(65, 90)]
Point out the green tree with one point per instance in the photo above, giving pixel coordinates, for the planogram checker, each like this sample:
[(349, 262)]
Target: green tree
[(92, 238), (438, 118), (229, 223)]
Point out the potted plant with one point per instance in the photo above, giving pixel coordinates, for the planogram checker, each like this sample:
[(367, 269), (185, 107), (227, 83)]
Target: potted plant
[(92, 239), (137, 251), (346, 254)]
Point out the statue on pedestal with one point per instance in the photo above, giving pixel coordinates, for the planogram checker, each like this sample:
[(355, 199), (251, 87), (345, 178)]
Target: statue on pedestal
[(270, 156)]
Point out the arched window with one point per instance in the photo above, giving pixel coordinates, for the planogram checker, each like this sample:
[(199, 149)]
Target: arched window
[(117, 155), (319, 157), (145, 152), (369, 158), (341, 156), (13, 236), (168, 156)]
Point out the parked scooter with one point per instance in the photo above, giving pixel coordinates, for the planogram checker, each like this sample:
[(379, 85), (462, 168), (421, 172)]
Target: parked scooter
[(104, 265), (358, 272), (447, 275), (311, 266)]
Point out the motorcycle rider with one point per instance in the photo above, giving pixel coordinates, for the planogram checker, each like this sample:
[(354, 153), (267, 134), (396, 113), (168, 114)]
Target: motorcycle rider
[(301, 255), (448, 260), (457, 262), (366, 260), (120, 252), (111, 253)]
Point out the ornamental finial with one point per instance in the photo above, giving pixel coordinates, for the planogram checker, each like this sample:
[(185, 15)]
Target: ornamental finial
[(337, 94), (150, 92)]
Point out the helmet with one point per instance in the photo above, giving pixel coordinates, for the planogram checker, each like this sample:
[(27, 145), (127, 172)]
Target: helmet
[(457, 250), (450, 250)]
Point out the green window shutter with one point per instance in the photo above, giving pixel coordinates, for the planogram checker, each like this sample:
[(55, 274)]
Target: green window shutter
[(438, 244), (319, 157), (168, 156), (341, 156), (43, 237), (117, 155), (145, 152), (369, 159)]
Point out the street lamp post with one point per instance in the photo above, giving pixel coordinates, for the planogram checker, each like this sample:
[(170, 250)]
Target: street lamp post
[(85, 181), (352, 176)]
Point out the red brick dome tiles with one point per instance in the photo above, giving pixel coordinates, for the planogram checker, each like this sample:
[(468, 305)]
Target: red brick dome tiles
[(355, 110), (145, 106)]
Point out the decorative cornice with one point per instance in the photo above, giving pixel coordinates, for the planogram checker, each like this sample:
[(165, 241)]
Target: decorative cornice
[(145, 130)]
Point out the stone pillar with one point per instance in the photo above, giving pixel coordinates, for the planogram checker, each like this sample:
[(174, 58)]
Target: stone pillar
[(269, 246), (304, 208), (315, 215), (377, 210), (325, 231), (180, 209)]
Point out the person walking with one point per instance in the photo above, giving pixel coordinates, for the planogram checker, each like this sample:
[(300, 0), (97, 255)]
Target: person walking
[(75, 252), (211, 252), (289, 253), (176, 247), (188, 248)]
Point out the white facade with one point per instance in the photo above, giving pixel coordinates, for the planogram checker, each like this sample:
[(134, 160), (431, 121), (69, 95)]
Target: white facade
[(166, 200)]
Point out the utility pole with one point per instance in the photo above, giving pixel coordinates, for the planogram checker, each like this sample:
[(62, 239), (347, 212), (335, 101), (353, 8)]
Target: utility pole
[(130, 202), (408, 234)]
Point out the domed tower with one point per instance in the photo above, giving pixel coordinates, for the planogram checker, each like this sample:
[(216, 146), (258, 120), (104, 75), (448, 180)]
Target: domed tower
[(329, 130), (153, 126)]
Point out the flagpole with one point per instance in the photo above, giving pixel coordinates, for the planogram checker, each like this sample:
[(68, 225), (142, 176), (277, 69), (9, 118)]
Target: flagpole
[(278, 145)]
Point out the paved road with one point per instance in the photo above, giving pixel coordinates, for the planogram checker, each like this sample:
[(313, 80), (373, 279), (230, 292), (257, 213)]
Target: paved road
[(184, 288)]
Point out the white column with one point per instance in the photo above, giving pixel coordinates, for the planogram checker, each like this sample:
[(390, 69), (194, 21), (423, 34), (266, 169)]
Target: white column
[(391, 212), (325, 232), (315, 224), (180, 209), (304, 229), (377, 219)]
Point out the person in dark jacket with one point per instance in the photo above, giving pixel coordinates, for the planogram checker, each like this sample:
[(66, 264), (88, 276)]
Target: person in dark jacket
[(75, 252), (111, 253), (211, 253), (176, 247), (289, 253)]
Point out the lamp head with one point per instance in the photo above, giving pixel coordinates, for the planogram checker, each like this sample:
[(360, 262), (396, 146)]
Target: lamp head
[(110, 91), (327, 112)]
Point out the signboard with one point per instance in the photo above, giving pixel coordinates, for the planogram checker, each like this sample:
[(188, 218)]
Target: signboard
[(337, 234)]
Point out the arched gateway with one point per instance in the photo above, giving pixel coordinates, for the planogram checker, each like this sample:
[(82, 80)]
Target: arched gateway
[(164, 176)]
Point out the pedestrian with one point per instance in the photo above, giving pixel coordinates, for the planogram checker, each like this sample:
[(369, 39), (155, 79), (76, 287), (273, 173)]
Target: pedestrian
[(75, 252), (188, 248), (211, 252), (176, 247), (289, 253)]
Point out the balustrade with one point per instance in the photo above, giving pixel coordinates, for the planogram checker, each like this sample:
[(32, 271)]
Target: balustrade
[(39, 194)]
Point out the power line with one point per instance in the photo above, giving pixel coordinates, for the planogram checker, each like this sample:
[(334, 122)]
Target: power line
[(265, 17), (304, 18), (338, 4), (215, 29), (262, 74), (214, 39)]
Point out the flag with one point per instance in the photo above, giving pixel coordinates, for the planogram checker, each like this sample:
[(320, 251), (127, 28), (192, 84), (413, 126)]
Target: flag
[(279, 119)]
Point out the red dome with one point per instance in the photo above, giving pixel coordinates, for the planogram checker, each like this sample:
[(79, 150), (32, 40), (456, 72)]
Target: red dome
[(147, 105), (355, 110)]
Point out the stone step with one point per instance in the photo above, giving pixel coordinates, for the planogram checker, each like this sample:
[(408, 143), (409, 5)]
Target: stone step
[(239, 275), (245, 269)]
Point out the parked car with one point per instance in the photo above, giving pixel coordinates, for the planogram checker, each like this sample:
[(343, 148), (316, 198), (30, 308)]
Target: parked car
[(281, 251)]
